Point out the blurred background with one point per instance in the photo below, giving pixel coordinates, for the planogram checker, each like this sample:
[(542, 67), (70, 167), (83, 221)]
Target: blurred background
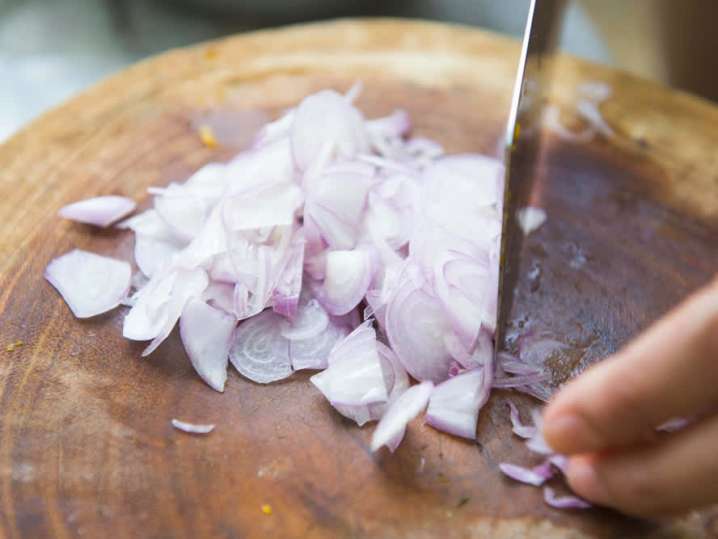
[(51, 49)]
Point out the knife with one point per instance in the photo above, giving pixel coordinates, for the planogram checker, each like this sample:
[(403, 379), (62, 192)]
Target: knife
[(531, 88)]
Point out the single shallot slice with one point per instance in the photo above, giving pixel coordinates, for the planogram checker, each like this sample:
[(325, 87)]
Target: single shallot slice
[(521, 474), (325, 117), (530, 219), (99, 211), (89, 283), (259, 351), (392, 426), (347, 278), (455, 404), (354, 375), (207, 335), (416, 325), (192, 428), (563, 502), (519, 429)]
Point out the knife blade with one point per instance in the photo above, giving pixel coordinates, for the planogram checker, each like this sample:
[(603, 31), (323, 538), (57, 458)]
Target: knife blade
[(531, 88)]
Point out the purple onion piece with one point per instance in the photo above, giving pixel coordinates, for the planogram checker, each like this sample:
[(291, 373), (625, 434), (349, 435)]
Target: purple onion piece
[(564, 502)]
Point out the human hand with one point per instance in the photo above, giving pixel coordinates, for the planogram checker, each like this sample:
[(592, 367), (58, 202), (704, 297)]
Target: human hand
[(606, 419)]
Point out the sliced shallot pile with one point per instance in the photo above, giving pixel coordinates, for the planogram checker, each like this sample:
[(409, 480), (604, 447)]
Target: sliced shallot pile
[(335, 243)]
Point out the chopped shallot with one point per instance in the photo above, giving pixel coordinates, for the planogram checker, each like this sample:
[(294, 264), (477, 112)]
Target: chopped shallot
[(673, 425), (455, 404), (311, 321), (552, 464), (313, 352), (347, 276), (552, 122), (530, 219), (260, 352), (207, 335), (90, 284), (591, 95), (563, 502), (268, 261), (597, 91), (392, 426), (524, 475), (590, 112), (354, 375), (99, 211), (192, 428), (521, 430)]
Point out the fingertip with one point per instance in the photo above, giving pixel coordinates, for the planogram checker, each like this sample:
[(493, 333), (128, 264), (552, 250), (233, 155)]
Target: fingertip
[(552, 408), (558, 431), (585, 479), (574, 420), (568, 432)]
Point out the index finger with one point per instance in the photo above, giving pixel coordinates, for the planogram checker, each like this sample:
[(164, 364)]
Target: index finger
[(669, 371)]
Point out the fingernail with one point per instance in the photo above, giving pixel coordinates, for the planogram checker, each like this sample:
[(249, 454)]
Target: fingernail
[(569, 433), (585, 481)]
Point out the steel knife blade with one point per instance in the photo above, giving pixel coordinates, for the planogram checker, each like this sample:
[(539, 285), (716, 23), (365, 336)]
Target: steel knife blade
[(531, 88)]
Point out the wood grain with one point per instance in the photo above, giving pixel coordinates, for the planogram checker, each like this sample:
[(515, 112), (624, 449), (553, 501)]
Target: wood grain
[(86, 446)]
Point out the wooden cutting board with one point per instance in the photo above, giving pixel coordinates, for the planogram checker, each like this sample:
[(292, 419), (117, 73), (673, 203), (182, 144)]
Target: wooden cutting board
[(86, 446)]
